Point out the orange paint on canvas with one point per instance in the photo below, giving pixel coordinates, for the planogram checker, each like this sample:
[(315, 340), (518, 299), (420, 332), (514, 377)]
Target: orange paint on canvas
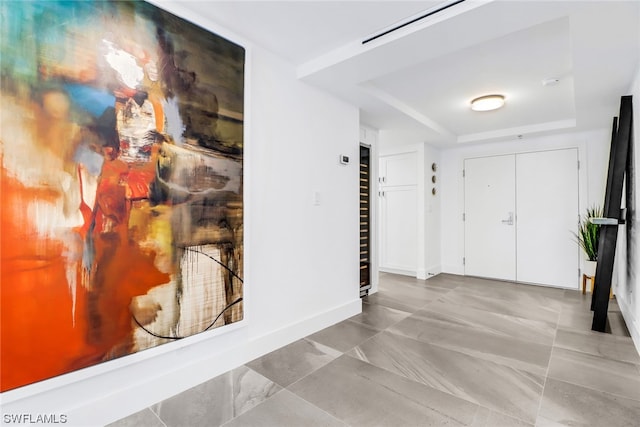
[(106, 247), (41, 340)]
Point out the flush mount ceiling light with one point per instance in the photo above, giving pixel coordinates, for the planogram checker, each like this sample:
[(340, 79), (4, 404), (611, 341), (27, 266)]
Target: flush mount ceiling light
[(487, 103)]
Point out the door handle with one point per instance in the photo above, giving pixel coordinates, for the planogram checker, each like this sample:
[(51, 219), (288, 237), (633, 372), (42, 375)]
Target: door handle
[(508, 221)]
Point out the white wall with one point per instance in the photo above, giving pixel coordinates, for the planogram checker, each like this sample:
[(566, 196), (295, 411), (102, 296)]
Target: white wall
[(627, 261), (432, 208), (305, 256), (301, 260), (429, 226), (593, 149)]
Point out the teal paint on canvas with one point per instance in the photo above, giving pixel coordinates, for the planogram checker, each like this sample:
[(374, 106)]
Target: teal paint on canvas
[(121, 128)]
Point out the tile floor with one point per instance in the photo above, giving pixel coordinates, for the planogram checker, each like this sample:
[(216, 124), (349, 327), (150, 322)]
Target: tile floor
[(451, 350)]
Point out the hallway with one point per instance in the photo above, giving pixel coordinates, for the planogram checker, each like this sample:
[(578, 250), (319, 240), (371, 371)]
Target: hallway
[(451, 350)]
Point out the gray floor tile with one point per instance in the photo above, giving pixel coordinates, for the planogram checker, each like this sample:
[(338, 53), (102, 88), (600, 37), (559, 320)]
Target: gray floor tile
[(146, 418), (617, 325), (599, 344), (522, 307), (576, 300), (344, 336), (285, 410), (388, 299), (501, 388), (486, 336), (599, 373), (450, 350), (447, 281), (364, 395), (389, 279), (292, 362), (575, 319), (521, 294), (504, 285), (250, 389), (413, 296), (571, 296), (210, 403), (537, 331), (579, 317), (378, 316), (565, 404), (613, 306), (488, 418)]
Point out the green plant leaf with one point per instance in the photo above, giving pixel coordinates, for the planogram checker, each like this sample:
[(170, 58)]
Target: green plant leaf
[(588, 233)]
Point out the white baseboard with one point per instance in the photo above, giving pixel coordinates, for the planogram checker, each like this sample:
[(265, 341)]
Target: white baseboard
[(453, 269), (412, 273), (633, 325), (106, 397), (434, 270)]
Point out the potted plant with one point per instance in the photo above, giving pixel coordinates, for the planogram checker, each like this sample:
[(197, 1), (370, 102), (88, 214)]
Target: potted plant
[(587, 237)]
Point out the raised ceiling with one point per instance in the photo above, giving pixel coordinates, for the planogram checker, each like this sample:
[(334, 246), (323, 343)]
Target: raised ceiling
[(422, 76)]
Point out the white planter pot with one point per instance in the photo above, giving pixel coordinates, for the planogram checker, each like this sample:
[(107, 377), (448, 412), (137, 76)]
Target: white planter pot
[(589, 268)]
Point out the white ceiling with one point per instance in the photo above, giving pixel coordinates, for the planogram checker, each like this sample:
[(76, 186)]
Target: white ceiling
[(422, 76)]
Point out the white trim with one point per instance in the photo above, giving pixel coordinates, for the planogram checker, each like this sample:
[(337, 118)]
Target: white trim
[(401, 271), (355, 49), (99, 405), (510, 132), (153, 355), (421, 268), (453, 269), (633, 325), (103, 368), (434, 270), (402, 149), (407, 109)]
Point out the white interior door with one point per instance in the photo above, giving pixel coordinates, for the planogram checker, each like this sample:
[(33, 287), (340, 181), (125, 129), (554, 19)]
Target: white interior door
[(547, 212), (399, 169), (489, 199), (399, 239)]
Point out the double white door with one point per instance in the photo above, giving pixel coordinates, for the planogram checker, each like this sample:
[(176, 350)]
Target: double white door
[(520, 211)]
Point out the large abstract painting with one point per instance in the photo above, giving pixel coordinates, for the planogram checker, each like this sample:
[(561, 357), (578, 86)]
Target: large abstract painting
[(121, 130)]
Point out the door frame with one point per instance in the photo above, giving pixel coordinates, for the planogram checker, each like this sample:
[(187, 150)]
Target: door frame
[(581, 194), (419, 150), (503, 172)]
